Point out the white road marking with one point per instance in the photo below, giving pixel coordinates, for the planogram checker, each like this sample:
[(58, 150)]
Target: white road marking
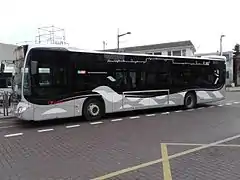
[(73, 126), (228, 104), (190, 110), (150, 115), (114, 120), (178, 111), (236, 102), (134, 117), (211, 106), (6, 127), (165, 113), (45, 130), (201, 108), (220, 105), (12, 135), (98, 122)]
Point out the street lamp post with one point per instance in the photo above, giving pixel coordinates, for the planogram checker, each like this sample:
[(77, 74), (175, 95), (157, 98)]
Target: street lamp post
[(120, 35), (104, 45), (221, 44)]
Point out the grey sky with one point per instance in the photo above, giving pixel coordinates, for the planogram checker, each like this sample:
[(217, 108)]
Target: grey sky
[(89, 22)]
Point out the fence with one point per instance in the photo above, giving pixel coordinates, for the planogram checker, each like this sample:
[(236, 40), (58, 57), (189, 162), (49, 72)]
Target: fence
[(7, 103)]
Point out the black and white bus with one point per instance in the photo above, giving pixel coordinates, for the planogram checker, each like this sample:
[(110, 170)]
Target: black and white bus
[(61, 82)]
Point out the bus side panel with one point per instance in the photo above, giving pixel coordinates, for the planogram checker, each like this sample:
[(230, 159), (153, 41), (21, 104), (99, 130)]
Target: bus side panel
[(79, 106), (176, 99), (210, 96), (113, 101), (60, 110)]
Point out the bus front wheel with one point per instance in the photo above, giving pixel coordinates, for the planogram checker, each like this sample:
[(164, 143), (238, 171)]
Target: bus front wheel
[(190, 100), (93, 109)]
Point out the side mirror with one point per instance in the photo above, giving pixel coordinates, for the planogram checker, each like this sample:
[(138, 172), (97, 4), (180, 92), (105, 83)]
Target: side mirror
[(34, 65)]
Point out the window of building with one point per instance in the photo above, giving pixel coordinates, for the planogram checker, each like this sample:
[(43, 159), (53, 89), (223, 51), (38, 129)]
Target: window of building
[(169, 53), (158, 53), (227, 74), (184, 52), (176, 53)]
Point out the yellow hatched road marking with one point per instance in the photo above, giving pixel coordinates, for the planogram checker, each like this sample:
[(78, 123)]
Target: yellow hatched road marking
[(194, 144), (166, 165), (129, 169), (113, 174)]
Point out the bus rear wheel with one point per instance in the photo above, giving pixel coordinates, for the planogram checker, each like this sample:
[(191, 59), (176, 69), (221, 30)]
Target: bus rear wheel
[(93, 110), (190, 100)]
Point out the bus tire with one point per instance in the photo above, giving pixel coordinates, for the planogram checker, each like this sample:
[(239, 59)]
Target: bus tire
[(93, 109), (190, 100)]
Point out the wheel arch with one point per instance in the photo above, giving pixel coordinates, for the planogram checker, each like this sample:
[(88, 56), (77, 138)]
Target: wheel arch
[(191, 92), (98, 97)]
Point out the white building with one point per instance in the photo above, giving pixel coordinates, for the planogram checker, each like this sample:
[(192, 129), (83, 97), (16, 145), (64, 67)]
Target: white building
[(7, 51), (7, 57), (180, 48)]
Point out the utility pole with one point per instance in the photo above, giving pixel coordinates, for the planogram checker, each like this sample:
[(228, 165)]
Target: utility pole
[(221, 44), (51, 34), (118, 36), (118, 40), (104, 45)]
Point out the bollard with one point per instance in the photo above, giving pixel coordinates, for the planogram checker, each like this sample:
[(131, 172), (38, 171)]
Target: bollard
[(4, 111), (5, 104)]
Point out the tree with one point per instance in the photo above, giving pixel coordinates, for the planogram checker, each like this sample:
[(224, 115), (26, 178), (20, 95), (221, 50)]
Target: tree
[(236, 53), (236, 50)]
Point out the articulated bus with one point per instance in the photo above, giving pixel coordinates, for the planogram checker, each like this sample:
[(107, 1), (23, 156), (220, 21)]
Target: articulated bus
[(61, 82)]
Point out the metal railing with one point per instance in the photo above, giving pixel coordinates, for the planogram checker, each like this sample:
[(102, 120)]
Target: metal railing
[(7, 103)]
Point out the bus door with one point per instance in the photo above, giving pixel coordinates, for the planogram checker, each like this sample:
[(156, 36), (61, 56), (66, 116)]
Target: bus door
[(161, 86)]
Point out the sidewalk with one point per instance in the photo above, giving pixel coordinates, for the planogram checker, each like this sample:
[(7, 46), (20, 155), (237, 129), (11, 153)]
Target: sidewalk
[(233, 89), (10, 114)]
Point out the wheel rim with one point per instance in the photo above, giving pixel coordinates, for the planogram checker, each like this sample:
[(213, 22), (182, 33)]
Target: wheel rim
[(93, 109), (189, 101)]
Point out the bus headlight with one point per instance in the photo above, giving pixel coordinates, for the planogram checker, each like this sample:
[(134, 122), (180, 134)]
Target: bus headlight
[(21, 109)]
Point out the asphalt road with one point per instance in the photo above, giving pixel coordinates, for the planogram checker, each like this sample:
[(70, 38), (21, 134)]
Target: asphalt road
[(168, 143)]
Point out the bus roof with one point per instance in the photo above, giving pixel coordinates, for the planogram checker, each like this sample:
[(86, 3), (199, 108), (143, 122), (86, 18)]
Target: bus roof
[(74, 49)]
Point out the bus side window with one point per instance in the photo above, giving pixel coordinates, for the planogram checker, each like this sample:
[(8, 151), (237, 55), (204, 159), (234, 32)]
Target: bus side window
[(151, 81), (132, 77)]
